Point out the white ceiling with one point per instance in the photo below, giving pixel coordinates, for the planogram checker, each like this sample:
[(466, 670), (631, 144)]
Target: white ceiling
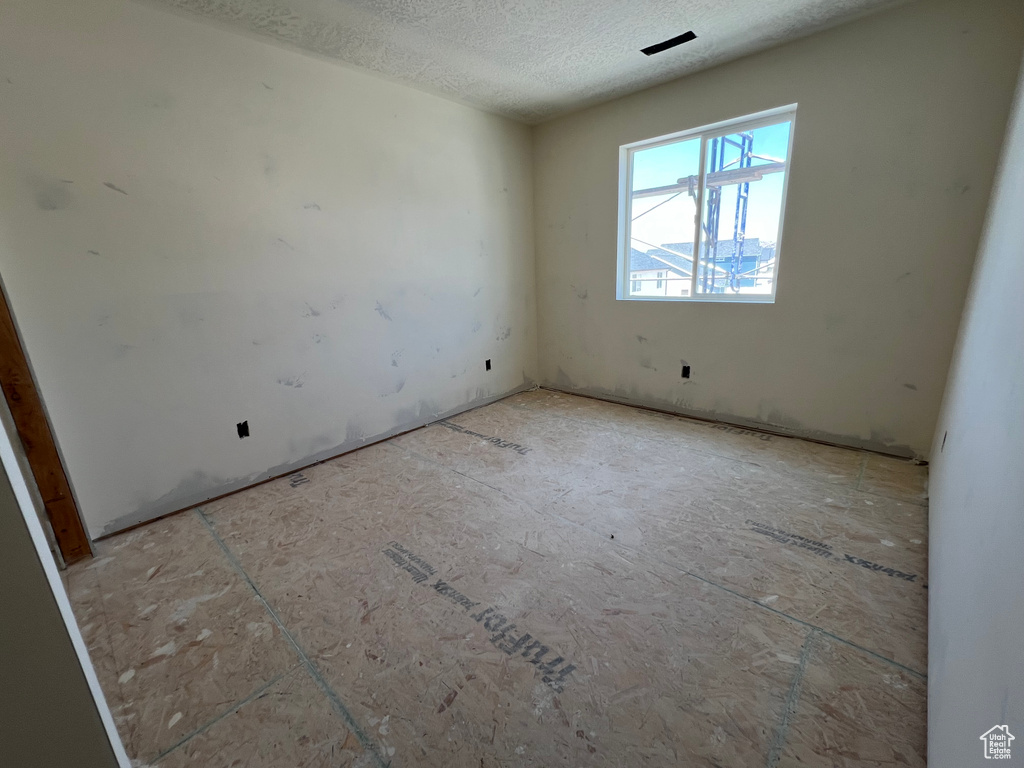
[(529, 59)]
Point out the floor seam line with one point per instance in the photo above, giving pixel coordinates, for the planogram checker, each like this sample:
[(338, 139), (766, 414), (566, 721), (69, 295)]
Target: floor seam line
[(802, 622), (427, 459), (777, 612), (304, 659), (113, 656), (860, 475), (674, 566), (649, 437), (226, 713), (762, 606), (792, 702)]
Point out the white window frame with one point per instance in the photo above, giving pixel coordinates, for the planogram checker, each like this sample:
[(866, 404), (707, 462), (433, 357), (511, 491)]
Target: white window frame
[(705, 133)]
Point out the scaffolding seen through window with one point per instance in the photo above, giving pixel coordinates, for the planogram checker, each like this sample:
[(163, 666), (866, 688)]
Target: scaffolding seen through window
[(721, 187)]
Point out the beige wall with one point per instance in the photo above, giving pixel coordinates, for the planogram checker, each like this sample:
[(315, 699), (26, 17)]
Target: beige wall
[(975, 590), (48, 716), (900, 120), (199, 228)]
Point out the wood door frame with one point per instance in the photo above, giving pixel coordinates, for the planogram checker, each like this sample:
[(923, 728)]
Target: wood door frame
[(26, 405)]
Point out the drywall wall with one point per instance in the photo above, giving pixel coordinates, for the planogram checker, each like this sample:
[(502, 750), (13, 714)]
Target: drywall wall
[(198, 228), (900, 120), (50, 701), (976, 512)]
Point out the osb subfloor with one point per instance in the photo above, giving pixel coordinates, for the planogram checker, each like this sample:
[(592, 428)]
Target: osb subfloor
[(547, 581)]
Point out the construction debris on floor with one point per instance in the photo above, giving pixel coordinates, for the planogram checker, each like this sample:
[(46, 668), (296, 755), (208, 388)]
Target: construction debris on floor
[(547, 581)]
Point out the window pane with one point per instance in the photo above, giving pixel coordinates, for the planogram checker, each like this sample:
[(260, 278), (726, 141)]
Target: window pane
[(662, 217), (743, 205)]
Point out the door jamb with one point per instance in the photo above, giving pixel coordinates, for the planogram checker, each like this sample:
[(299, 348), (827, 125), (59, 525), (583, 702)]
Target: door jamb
[(25, 402)]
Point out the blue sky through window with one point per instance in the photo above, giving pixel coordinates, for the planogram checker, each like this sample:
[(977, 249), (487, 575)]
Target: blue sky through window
[(671, 221)]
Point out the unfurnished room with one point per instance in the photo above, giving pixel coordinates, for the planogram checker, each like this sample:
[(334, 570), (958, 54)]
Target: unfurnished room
[(490, 384)]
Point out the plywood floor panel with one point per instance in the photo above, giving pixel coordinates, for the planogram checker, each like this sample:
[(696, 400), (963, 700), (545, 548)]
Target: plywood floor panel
[(289, 723), (901, 480), (853, 711), (771, 542), (186, 637), (788, 456), (545, 581)]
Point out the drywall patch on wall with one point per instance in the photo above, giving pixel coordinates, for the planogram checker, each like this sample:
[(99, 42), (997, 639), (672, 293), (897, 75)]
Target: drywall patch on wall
[(307, 258), (51, 194), (879, 235)]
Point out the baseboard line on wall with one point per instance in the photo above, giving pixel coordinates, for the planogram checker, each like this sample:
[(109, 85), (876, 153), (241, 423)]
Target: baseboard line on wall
[(122, 526), (766, 429)]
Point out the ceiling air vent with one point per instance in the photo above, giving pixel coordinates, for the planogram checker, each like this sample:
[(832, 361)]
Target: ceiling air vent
[(659, 47)]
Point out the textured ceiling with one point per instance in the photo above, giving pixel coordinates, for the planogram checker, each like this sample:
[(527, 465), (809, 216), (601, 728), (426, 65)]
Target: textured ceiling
[(529, 59)]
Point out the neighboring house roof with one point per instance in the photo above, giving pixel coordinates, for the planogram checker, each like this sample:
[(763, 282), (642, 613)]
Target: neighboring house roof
[(752, 249), (686, 248), (645, 260), (640, 261)]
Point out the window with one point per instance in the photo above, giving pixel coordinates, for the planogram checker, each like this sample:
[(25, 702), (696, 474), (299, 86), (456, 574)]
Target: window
[(714, 195)]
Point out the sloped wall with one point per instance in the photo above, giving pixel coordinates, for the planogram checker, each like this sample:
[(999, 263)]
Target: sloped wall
[(976, 511)]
